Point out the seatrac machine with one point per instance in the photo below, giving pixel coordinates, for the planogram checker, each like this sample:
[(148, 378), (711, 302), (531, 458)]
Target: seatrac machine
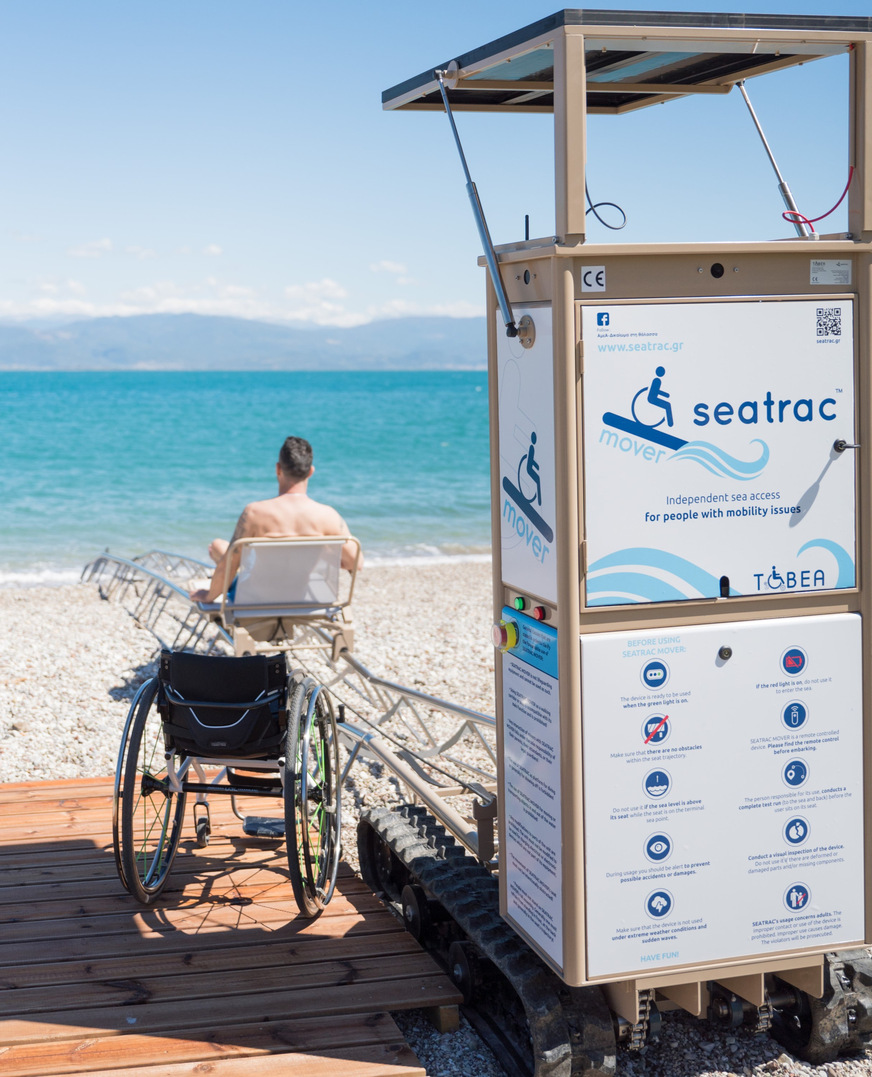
[(681, 510)]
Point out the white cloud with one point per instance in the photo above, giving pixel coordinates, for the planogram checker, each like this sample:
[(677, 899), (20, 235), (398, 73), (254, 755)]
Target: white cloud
[(56, 287), (318, 302), (95, 248), (399, 271), (141, 253), (397, 268), (213, 250), (403, 308), (324, 302)]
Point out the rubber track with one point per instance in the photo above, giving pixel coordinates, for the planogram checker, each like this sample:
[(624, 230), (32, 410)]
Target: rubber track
[(570, 1028)]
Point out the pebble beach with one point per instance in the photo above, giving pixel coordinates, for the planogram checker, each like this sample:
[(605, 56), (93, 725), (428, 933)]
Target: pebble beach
[(70, 663)]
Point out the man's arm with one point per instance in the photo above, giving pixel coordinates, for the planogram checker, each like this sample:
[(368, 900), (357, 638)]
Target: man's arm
[(216, 587), (351, 552)]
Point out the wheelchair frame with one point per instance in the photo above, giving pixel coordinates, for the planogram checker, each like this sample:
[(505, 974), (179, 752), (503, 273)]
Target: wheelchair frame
[(442, 752), (304, 773)]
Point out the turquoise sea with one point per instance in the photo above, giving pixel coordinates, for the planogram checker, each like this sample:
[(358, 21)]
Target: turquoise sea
[(156, 460)]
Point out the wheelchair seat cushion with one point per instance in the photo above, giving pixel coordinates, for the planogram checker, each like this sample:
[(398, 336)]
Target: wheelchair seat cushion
[(219, 707)]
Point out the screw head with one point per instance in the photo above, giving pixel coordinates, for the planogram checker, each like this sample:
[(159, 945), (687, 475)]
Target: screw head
[(725, 653)]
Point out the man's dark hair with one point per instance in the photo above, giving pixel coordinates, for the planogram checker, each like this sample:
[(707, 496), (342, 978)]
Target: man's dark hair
[(295, 458)]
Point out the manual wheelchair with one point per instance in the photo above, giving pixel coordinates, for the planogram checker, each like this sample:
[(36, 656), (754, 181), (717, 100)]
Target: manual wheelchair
[(269, 732)]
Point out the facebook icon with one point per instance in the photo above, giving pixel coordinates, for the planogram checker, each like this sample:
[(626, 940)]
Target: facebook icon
[(602, 318)]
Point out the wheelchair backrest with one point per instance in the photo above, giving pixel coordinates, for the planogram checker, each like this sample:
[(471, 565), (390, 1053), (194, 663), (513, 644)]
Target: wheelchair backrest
[(290, 572), (215, 706)]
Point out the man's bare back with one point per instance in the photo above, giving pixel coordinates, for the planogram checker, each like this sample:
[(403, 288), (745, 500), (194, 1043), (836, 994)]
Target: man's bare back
[(290, 514)]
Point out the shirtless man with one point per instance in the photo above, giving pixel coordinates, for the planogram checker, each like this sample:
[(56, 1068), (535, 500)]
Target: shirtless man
[(291, 513)]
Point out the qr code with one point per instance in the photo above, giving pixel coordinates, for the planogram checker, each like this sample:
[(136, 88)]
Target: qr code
[(829, 321)]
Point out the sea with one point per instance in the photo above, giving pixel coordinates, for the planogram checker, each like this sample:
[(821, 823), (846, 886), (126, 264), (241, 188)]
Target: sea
[(153, 460)]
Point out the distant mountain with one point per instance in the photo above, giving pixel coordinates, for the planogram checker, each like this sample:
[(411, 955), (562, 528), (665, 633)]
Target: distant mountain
[(197, 342)]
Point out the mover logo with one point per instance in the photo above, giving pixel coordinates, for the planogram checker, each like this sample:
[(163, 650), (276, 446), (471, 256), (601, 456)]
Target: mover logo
[(525, 494), (648, 431)]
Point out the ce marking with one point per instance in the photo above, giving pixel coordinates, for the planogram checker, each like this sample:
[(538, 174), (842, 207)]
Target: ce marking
[(593, 278)]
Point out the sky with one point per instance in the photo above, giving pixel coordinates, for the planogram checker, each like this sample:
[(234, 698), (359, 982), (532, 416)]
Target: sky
[(231, 157)]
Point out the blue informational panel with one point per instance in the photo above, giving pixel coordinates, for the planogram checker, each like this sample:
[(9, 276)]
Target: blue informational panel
[(530, 797), (723, 791), (709, 460)]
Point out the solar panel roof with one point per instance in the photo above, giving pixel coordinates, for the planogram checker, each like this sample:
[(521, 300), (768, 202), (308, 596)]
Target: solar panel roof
[(632, 59)]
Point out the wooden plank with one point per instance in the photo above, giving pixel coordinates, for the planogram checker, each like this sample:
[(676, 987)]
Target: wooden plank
[(222, 959), (96, 1053), (96, 979), (430, 988), (186, 872), (142, 946), (378, 1061), (197, 919), (239, 848), (56, 788)]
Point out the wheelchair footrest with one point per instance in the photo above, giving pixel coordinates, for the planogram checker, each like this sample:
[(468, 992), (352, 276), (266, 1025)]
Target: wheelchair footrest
[(260, 826)]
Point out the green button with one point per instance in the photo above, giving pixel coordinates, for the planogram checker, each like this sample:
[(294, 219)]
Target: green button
[(520, 603)]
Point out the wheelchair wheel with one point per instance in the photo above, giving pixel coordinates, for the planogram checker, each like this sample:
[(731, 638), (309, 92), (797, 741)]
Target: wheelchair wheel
[(151, 814), (119, 781), (312, 800)]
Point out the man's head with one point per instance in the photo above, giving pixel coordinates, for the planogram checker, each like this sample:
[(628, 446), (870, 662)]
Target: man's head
[(295, 459)]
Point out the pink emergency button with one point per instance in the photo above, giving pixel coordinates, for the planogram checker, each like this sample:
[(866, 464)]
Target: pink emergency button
[(505, 635)]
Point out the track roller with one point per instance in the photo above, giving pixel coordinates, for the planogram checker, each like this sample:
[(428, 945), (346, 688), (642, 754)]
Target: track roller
[(544, 1027), (416, 912), (818, 1030), (465, 969)]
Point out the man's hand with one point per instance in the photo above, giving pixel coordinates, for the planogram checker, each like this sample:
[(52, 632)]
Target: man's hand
[(199, 596)]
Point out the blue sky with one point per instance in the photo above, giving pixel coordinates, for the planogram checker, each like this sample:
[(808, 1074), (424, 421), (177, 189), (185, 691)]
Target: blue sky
[(233, 158)]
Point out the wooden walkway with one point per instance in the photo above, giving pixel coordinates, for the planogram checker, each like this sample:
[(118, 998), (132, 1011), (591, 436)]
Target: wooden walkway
[(220, 977)]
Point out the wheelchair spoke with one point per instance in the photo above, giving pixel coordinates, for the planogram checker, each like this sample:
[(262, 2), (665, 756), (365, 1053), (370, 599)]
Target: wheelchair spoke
[(312, 809), (151, 814)]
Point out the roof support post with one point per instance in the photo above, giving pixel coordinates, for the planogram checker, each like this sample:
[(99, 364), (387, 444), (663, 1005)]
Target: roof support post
[(570, 135), (860, 146)]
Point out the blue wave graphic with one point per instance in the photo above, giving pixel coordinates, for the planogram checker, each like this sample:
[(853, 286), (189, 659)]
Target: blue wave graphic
[(628, 585), (845, 562), (720, 463)]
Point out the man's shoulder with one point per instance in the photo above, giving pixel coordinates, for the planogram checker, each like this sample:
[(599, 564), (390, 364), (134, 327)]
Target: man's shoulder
[(329, 518)]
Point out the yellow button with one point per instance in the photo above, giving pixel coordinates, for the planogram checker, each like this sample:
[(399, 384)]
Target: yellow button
[(505, 635)]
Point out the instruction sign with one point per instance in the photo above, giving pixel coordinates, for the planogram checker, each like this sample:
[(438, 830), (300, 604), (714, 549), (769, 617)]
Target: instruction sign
[(530, 797), (723, 791), (709, 459), (527, 492)]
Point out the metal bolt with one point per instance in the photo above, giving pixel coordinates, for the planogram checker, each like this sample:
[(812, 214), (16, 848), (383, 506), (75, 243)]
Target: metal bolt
[(725, 653)]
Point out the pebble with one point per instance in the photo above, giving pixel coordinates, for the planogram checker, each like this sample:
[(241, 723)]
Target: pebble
[(71, 663)]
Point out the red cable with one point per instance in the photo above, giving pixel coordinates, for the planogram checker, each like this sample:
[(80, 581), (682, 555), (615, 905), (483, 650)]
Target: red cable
[(792, 216)]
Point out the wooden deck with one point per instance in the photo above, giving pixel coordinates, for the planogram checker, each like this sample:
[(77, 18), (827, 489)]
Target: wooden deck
[(220, 977)]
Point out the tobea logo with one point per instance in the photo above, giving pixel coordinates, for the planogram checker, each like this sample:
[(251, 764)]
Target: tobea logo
[(768, 410)]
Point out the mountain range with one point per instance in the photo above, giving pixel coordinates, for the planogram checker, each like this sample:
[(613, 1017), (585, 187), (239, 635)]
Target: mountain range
[(201, 342)]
